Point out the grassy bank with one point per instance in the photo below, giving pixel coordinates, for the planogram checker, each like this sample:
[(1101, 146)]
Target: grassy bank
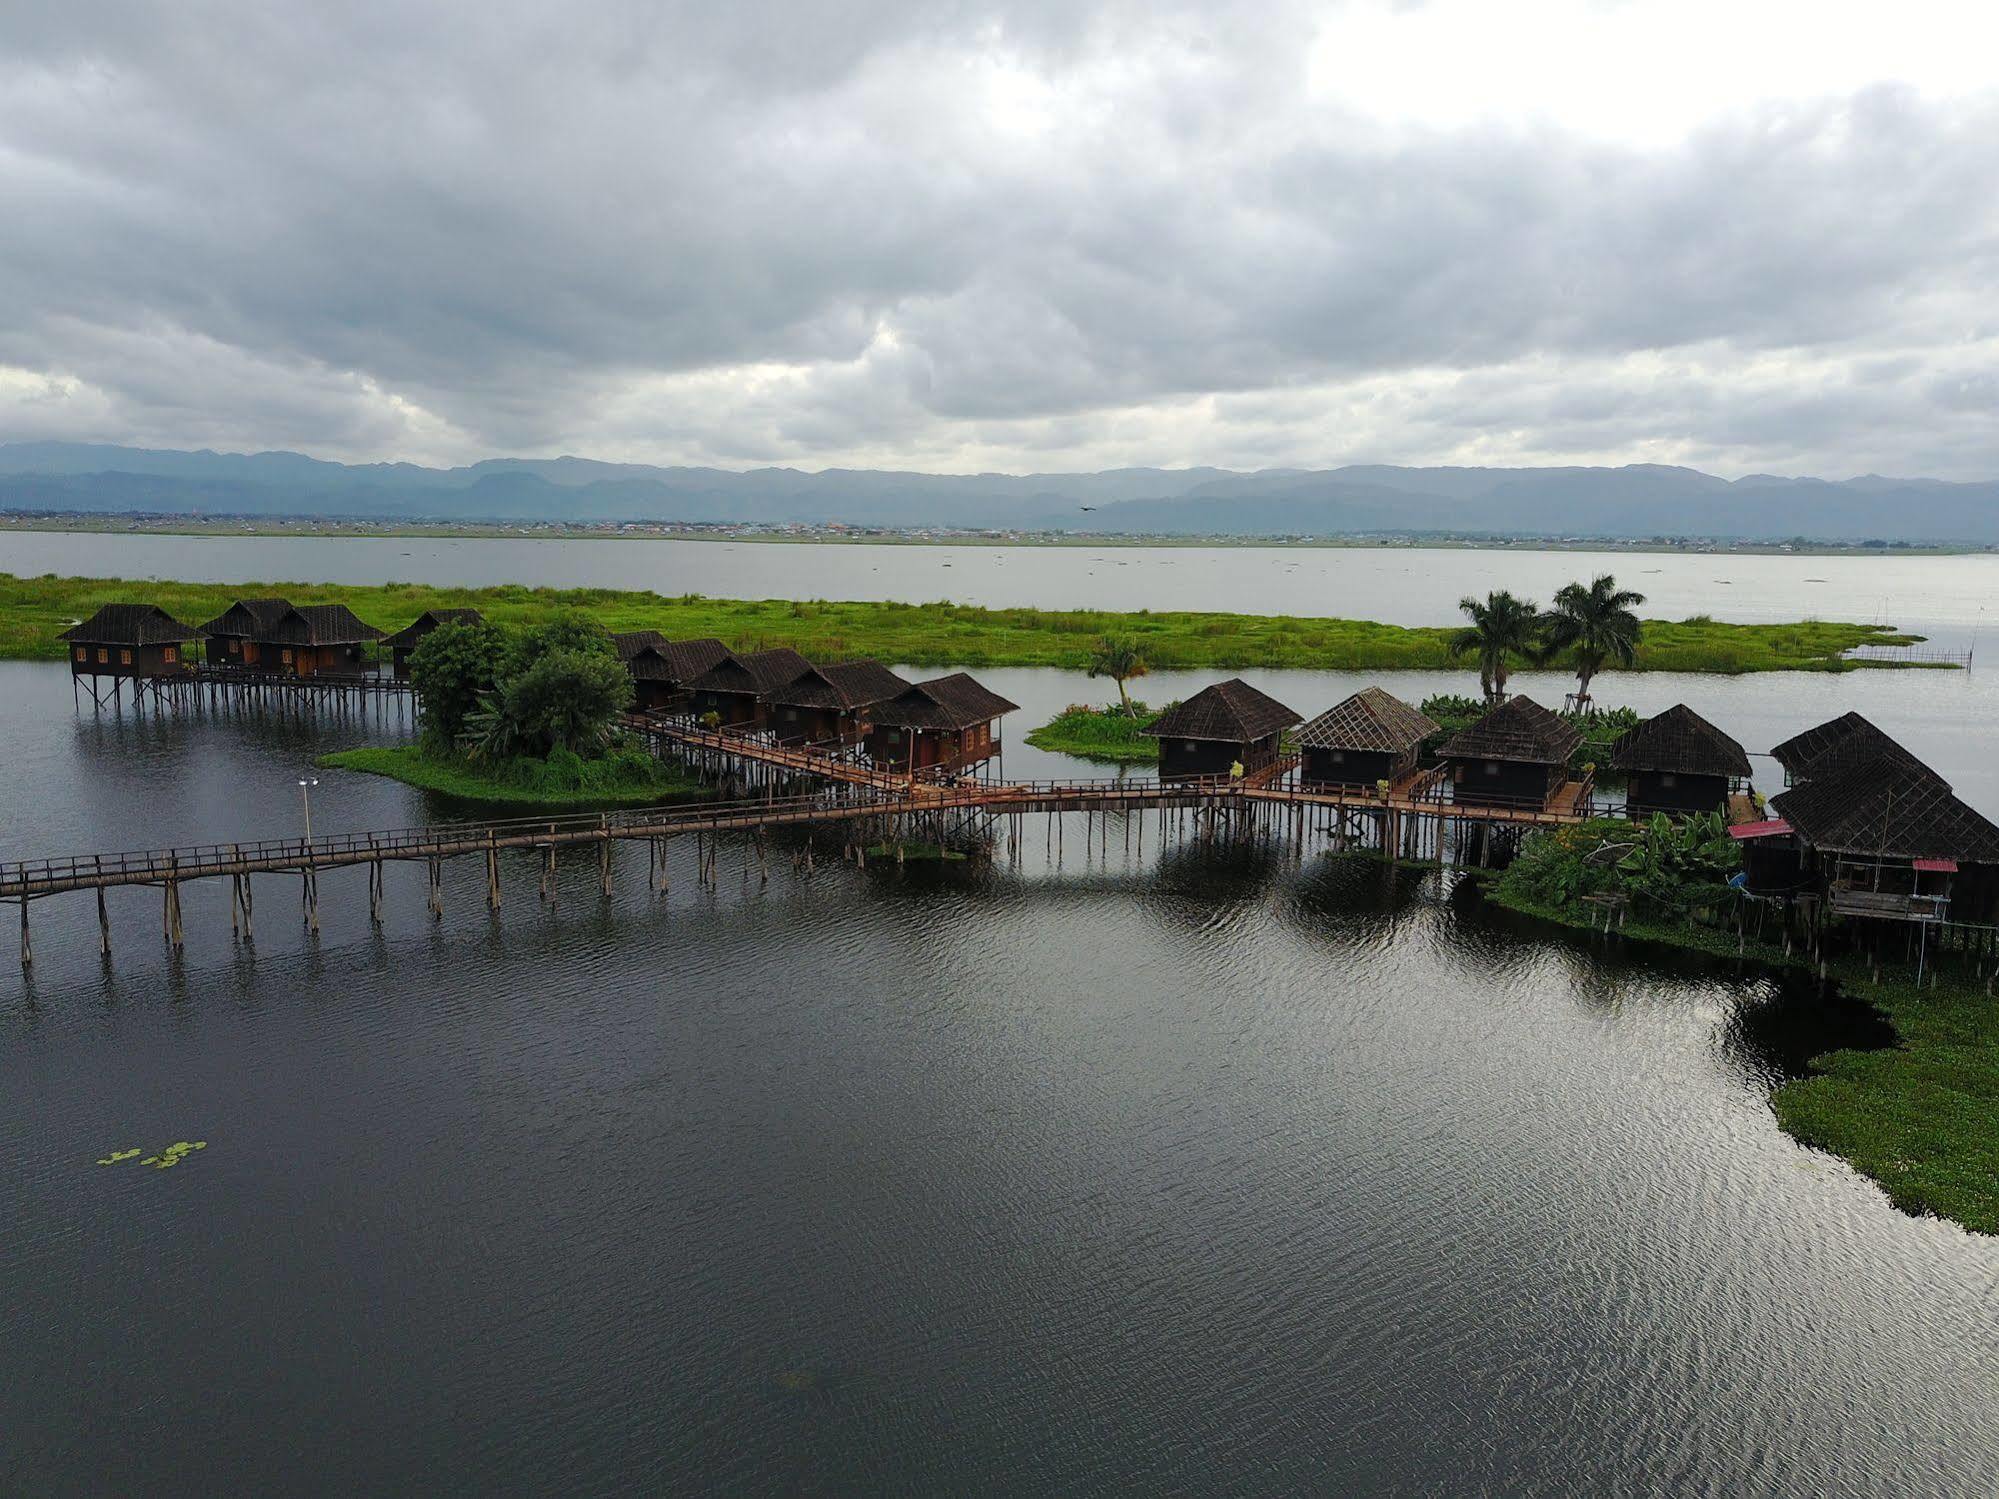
[(567, 784), (34, 610), (1106, 735), (1920, 1117)]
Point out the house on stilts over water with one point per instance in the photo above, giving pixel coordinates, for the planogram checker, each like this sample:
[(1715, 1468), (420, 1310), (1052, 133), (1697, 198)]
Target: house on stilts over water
[(140, 644), (1516, 756), (1370, 738), (731, 693), (410, 636), (1219, 728), (829, 704), (945, 724), (661, 669), (1678, 763), (292, 640)]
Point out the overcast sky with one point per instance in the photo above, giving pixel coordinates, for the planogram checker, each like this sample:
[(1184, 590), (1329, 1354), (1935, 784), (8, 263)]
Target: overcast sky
[(1746, 237)]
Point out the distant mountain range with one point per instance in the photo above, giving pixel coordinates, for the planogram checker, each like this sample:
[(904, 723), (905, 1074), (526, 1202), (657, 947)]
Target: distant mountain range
[(1635, 501)]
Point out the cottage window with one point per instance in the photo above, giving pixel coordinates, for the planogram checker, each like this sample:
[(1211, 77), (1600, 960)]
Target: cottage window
[(791, 715), (235, 647), (285, 656), (82, 653), (170, 654), (1190, 746), (1339, 757), (1668, 780), (103, 656), (124, 658)]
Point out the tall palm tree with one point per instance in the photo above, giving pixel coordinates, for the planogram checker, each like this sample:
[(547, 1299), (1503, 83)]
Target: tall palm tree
[(1118, 657), (1502, 627), (1593, 626)]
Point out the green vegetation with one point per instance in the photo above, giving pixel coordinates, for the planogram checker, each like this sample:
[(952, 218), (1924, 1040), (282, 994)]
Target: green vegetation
[(1920, 1117), (1503, 631), (561, 782), (1593, 627), (33, 610), (1601, 728), (1119, 658), (917, 853), (1113, 734)]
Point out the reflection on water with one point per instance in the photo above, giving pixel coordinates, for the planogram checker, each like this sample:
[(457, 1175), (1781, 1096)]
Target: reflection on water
[(1192, 1169)]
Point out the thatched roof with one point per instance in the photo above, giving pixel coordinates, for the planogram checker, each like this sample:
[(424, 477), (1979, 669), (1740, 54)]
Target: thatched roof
[(1681, 741), (248, 616), (651, 657), (757, 672), (1232, 712), (630, 643), (1518, 729), (1369, 720), (131, 624), (410, 634), (841, 688), (953, 702), (1838, 745), (1888, 807)]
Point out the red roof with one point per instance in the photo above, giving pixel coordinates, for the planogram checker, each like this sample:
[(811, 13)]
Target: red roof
[(1772, 827), (1937, 866)]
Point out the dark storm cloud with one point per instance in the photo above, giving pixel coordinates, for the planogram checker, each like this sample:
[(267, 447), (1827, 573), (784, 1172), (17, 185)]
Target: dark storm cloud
[(768, 232)]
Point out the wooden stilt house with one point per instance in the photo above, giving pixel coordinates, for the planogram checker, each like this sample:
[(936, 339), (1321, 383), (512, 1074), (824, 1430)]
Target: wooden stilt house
[(1219, 728), (829, 704), (410, 636), (130, 642), (944, 724), (663, 669), (1678, 763), (235, 636), (1836, 745), (733, 689), (1516, 756), (1370, 738)]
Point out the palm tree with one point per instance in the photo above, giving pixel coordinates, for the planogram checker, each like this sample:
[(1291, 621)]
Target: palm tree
[(1502, 627), (1118, 657), (1594, 626)]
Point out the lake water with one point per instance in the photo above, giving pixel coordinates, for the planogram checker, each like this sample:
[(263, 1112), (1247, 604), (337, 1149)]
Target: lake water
[(1944, 597), (1203, 1173)]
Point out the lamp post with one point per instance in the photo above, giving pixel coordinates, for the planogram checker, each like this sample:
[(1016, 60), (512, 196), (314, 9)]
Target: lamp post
[(305, 786)]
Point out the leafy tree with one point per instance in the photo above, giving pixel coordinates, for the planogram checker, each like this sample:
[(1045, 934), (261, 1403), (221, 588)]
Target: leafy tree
[(453, 669), (1502, 628), (566, 630), (1593, 626), (1118, 657), (568, 700)]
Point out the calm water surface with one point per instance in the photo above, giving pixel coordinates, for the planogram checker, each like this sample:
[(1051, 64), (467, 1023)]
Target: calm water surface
[(1201, 1174), (1945, 597)]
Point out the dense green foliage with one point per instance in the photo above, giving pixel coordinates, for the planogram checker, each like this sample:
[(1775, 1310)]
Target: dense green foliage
[(1662, 867), (1119, 658), (500, 692), (1592, 626), (34, 610), (1114, 734), (625, 776), (453, 669)]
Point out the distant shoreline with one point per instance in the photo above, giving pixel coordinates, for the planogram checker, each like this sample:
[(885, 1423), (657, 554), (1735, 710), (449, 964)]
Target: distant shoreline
[(131, 525)]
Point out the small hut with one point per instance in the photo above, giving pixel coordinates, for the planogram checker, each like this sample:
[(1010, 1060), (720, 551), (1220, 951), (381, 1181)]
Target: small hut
[(235, 635), (1370, 738), (129, 642), (1891, 840), (1835, 746), (1678, 763), (733, 688), (662, 669), (1218, 728), (410, 636), (829, 704), (946, 723), (1515, 756)]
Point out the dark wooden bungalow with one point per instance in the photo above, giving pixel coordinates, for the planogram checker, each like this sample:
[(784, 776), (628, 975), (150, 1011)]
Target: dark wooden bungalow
[(733, 688), (1834, 746), (302, 640), (236, 635), (662, 669), (1370, 738), (1887, 838), (1677, 762), (1515, 756), (130, 642), (944, 724), (1218, 728), (829, 704), (410, 636)]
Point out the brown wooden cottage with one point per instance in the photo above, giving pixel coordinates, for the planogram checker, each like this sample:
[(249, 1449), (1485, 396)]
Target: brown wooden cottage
[(733, 688), (130, 642), (1835, 746), (1515, 756), (1218, 728), (235, 635), (1887, 838), (829, 704), (1369, 738), (944, 724), (410, 636), (1678, 763), (302, 640), (663, 669)]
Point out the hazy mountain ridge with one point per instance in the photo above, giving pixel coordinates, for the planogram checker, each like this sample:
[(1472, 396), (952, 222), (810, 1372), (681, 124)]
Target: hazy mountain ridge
[(1635, 500)]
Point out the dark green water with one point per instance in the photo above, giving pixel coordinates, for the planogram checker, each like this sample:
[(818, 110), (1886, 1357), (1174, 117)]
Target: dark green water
[(1210, 1174)]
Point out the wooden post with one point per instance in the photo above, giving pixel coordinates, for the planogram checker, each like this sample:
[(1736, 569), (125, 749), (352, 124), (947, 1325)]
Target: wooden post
[(103, 925), (492, 870), (604, 852), (27, 944)]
